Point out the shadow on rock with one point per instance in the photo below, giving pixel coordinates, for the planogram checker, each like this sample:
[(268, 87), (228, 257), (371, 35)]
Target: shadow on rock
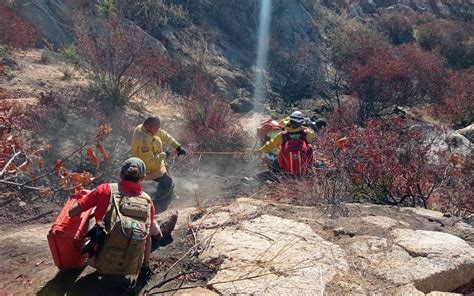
[(66, 282)]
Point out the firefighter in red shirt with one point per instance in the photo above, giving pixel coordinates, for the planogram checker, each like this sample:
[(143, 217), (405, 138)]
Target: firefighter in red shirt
[(131, 174)]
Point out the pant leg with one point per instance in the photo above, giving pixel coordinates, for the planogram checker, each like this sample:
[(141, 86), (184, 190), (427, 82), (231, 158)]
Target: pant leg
[(165, 186), (275, 168)]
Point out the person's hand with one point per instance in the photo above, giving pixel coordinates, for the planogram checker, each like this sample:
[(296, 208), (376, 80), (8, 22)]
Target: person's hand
[(180, 151), (168, 153)]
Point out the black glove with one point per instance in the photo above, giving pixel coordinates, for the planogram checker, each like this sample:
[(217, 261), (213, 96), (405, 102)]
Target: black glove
[(168, 154), (180, 151)]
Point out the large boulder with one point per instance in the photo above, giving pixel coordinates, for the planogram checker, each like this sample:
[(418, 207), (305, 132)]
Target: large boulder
[(432, 261), (418, 261), (445, 261), (265, 254)]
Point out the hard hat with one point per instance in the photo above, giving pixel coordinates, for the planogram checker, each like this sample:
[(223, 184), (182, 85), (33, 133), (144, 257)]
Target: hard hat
[(297, 117)]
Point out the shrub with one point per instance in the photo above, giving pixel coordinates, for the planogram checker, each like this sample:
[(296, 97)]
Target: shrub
[(397, 26), (355, 43), (120, 59), (389, 162), (15, 31), (210, 121), (452, 39), (403, 76), (300, 73), (22, 164), (153, 14), (70, 56), (457, 106), (46, 57), (105, 7)]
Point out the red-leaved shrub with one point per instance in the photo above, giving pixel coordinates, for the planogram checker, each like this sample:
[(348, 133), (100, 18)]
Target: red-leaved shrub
[(390, 162), (15, 31), (403, 76), (120, 58), (210, 121)]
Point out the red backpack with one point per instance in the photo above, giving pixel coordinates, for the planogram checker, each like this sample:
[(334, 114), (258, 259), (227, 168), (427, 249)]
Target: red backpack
[(296, 155)]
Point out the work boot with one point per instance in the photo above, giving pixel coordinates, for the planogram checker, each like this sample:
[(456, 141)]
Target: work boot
[(166, 226)]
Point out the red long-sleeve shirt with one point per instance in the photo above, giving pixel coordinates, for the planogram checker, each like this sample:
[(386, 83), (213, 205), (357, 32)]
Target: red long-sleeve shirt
[(100, 198)]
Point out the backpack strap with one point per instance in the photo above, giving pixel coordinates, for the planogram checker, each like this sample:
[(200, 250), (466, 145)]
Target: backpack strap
[(303, 135), (114, 188), (284, 137)]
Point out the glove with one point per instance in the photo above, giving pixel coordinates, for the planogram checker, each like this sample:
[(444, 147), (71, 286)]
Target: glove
[(168, 154), (180, 151)]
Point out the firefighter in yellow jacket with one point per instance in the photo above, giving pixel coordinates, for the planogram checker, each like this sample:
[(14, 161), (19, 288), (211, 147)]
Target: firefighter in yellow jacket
[(148, 143), (293, 126)]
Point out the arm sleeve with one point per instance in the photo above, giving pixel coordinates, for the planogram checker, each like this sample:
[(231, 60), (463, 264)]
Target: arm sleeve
[(168, 139), (272, 144), (99, 198), (88, 201)]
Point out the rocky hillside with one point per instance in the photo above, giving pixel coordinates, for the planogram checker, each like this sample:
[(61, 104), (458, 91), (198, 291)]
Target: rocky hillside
[(222, 35)]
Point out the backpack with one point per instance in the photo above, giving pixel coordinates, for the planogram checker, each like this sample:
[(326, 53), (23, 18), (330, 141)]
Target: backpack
[(128, 225), (296, 155)]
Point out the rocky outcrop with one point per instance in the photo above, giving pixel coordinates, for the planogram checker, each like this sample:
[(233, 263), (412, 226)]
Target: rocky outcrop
[(468, 132), (445, 8), (268, 254), (285, 251)]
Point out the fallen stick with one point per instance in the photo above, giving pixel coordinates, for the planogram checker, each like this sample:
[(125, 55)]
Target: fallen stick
[(164, 282), (228, 281), (37, 216), (9, 162)]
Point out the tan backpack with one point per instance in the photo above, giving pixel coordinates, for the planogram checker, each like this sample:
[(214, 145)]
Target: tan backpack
[(128, 225)]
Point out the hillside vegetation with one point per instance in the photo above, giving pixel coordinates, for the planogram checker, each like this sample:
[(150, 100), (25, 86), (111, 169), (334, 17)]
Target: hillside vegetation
[(393, 80)]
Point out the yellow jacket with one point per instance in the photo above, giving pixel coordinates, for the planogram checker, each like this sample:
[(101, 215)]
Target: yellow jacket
[(278, 139), (149, 148)]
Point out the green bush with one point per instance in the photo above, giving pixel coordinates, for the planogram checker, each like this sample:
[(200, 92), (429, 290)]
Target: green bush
[(153, 14), (69, 54), (105, 7)]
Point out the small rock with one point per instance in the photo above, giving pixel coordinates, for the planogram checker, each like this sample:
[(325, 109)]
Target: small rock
[(381, 221), (22, 204)]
